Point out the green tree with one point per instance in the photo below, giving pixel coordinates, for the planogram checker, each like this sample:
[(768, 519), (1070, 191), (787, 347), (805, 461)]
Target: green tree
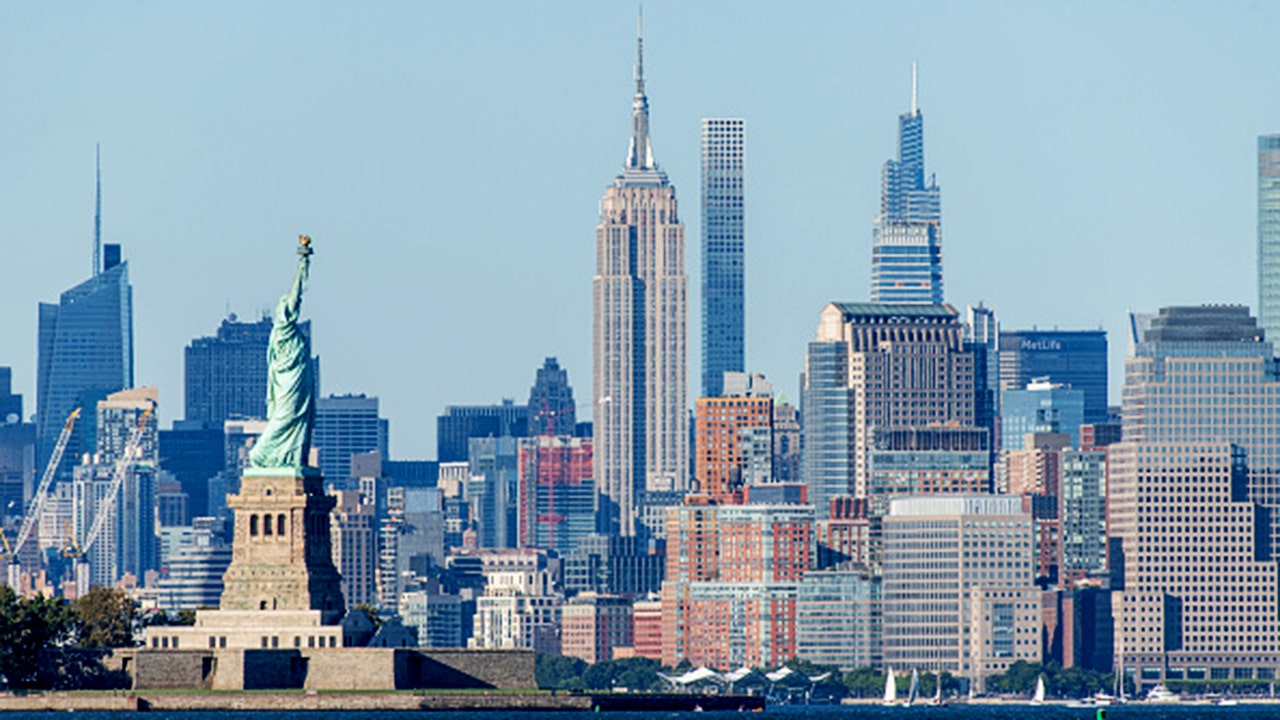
[(107, 618), (372, 613), (864, 682), (29, 627), (556, 672)]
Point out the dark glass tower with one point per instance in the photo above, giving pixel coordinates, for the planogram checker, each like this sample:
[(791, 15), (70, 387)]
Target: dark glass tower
[(551, 407), (723, 253), (906, 259), (85, 353)]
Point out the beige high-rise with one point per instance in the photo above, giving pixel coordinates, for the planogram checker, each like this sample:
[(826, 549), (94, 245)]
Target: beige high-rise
[(639, 299), (1197, 602)]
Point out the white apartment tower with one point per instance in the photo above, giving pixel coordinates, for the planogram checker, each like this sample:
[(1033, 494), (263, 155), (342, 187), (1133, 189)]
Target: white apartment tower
[(640, 317)]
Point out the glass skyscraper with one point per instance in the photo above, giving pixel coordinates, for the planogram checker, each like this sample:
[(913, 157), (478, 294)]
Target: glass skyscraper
[(723, 256), (906, 259), (85, 353), (1075, 358), (1269, 234)]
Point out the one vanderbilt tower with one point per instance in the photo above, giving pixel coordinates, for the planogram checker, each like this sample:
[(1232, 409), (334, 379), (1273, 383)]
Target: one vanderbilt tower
[(906, 260), (639, 312)]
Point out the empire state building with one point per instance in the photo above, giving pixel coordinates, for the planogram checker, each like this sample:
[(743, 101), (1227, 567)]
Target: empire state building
[(640, 318)]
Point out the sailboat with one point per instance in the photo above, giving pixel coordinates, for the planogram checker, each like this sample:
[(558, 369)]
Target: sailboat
[(890, 688), (1038, 698), (937, 692), (915, 687)]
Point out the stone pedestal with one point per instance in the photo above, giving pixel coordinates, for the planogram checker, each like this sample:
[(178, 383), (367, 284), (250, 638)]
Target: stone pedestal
[(281, 554)]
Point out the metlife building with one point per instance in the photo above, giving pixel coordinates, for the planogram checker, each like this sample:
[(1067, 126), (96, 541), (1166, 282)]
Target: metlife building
[(1077, 358)]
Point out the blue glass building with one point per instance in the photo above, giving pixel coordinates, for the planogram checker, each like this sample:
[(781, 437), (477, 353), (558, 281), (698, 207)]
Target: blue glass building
[(723, 294), (85, 353), (1041, 407), (1269, 234), (906, 258), (1076, 358)]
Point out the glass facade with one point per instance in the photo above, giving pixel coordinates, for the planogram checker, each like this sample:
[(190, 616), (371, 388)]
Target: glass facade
[(1269, 234), (1048, 408), (85, 353), (828, 445), (1074, 358), (906, 257), (723, 255)]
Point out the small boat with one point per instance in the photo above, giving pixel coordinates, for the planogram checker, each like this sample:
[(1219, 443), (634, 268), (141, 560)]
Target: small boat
[(1228, 702), (915, 687), (936, 700), (1038, 698), (1162, 695), (890, 689)]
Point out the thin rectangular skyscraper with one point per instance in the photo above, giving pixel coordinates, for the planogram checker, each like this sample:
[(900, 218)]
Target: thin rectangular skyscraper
[(723, 255), (906, 258), (1269, 235)]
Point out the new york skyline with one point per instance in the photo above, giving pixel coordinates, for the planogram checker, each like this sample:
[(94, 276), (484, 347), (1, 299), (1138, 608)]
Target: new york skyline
[(453, 177)]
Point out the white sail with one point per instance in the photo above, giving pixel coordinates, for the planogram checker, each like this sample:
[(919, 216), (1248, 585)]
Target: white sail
[(890, 687), (915, 687), (1039, 696)]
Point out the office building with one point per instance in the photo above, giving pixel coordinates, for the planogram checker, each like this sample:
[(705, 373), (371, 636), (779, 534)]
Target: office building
[(1072, 358), (225, 375), (518, 610), (127, 541), (1041, 407), (594, 626), (1205, 374), (723, 252), (1269, 234), (85, 353), (1083, 512), (437, 618), (640, 316), (959, 593), (838, 619), (354, 532), (193, 452), (613, 565), (551, 407), (877, 367), (646, 626), (410, 541), (347, 425), (906, 258), (494, 491), (17, 452), (926, 461), (1197, 587), (193, 573), (557, 493), (734, 437), (460, 423), (787, 458)]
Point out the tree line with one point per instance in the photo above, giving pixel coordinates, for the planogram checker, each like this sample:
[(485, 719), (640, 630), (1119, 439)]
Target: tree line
[(51, 643)]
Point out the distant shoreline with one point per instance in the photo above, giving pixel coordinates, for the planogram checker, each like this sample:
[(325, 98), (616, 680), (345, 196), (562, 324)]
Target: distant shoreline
[(259, 701)]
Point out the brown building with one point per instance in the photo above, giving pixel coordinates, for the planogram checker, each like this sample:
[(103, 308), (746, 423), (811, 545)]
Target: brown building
[(646, 623), (594, 626), (734, 438)]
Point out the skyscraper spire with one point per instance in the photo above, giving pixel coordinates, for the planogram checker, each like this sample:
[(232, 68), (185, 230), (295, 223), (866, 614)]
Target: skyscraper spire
[(915, 88), (97, 210), (640, 155)]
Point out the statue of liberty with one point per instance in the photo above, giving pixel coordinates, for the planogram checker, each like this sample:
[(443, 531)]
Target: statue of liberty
[(291, 387)]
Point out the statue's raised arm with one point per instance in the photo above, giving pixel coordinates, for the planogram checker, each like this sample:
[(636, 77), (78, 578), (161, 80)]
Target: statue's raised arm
[(291, 388)]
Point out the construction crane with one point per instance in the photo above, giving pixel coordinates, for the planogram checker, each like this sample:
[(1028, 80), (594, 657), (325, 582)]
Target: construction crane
[(123, 464), (42, 490), (70, 548)]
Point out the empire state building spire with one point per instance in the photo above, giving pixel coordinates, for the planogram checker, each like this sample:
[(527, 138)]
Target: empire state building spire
[(640, 155)]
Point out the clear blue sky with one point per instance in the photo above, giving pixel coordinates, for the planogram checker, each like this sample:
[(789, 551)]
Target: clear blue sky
[(448, 159)]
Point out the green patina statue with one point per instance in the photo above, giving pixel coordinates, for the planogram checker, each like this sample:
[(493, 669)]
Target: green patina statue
[(291, 387)]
